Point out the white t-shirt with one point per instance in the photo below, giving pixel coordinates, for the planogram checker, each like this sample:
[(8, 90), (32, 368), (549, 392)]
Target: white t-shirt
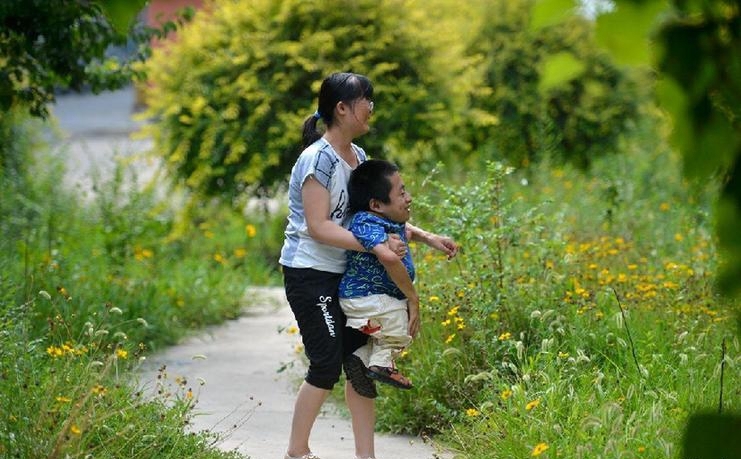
[(318, 160)]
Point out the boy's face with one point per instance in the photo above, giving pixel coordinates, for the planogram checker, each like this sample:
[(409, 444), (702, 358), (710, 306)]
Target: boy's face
[(399, 203)]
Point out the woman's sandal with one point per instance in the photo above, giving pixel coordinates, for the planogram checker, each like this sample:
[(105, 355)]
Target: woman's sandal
[(389, 376)]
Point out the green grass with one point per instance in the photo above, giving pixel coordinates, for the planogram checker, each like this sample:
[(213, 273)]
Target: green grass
[(579, 320), (89, 286)]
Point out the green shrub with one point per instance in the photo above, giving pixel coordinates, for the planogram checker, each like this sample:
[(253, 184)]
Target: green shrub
[(229, 99), (516, 114)]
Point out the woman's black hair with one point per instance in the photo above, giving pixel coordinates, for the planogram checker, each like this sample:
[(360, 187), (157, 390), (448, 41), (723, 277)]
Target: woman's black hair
[(370, 180), (337, 87)]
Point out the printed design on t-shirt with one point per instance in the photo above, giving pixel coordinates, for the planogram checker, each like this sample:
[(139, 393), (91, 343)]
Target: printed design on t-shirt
[(364, 274), (324, 167), (339, 211)]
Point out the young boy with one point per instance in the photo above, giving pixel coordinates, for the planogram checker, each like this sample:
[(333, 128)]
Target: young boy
[(376, 292)]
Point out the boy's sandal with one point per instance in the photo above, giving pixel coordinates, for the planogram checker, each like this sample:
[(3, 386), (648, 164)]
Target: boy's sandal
[(389, 376)]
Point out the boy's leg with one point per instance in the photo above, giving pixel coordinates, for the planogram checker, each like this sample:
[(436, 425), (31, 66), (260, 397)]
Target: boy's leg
[(392, 338)]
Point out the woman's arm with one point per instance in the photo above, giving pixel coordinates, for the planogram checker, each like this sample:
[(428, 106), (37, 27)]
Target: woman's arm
[(441, 243), (316, 211)]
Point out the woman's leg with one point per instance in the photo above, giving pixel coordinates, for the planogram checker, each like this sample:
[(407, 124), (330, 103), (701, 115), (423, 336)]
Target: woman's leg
[(363, 413), (312, 297), (308, 403)]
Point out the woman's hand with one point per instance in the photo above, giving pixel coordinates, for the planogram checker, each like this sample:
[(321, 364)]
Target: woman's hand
[(396, 245)]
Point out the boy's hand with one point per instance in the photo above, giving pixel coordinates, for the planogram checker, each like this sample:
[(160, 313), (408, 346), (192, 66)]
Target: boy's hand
[(414, 320), (445, 245)]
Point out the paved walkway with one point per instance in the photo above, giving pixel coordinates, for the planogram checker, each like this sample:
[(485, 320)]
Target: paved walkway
[(247, 401)]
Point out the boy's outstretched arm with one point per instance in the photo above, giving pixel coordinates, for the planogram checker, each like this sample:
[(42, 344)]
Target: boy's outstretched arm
[(441, 243), (398, 273)]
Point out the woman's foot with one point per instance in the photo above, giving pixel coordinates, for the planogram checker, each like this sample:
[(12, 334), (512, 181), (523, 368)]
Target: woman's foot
[(308, 455), (389, 376)]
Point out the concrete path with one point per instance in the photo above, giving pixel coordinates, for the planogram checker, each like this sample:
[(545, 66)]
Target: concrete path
[(248, 402), (96, 131)]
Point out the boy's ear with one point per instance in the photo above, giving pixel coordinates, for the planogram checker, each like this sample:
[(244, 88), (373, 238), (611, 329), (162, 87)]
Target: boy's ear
[(374, 205)]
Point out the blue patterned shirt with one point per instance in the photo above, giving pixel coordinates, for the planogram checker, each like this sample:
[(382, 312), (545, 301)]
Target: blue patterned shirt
[(364, 274)]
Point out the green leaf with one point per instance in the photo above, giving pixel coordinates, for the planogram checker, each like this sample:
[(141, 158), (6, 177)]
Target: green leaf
[(559, 69), (550, 12), (712, 436), (122, 13), (626, 30)]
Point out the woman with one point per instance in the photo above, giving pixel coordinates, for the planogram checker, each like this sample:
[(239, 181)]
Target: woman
[(313, 258)]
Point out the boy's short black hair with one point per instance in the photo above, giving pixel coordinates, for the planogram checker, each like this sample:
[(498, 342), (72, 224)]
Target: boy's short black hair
[(370, 180)]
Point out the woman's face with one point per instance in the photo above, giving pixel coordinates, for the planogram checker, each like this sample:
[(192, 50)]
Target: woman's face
[(361, 110)]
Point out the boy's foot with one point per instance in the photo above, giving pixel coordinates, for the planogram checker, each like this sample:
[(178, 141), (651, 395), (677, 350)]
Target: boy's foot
[(357, 374), (389, 376)]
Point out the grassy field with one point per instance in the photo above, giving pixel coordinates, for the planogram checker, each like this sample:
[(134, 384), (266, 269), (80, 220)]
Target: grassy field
[(579, 320)]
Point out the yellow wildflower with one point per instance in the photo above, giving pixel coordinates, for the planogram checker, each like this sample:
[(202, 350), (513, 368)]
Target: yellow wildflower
[(219, 258), (533, 404), (292, 330), (250, 230), (449, 338), (75, 430), (61, 399), (54, 351), (122, 354), (506, 393), (98, 390), (434, 298), (505, 336), (240, 252), (453, 311), (539, 449), (472, 412)]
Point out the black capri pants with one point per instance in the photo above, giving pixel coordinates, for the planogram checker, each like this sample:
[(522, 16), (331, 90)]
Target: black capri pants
[(312, 295)]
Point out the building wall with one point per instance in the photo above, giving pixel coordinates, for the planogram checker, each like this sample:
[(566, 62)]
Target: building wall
[(164, 10)]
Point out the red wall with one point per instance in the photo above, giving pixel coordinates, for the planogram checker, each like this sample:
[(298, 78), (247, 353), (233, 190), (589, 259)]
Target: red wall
[(159, 11)]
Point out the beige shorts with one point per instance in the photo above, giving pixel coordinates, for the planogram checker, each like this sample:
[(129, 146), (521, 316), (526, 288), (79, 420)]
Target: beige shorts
[(385, 319)]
